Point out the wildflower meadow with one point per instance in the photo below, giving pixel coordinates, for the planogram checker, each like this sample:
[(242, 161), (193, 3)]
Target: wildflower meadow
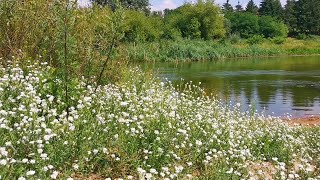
[(141, 130)]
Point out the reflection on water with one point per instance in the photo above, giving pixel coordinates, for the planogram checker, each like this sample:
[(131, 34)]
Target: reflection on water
[(273, 85)]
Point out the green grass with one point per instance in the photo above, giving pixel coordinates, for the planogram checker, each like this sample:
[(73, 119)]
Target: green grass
[(195, 50)]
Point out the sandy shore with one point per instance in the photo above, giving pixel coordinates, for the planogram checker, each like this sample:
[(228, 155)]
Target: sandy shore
[(306, 121)]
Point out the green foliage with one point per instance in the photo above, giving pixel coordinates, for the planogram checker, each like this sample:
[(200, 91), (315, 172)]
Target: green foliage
[(245, 24), (290, 16), (255, 39), (25, 33), (278, 40), (139, 27), (227, 7), (248, 25), (192, 30), (239, 7), (204, 17), (77, 39), (269, 27), (140, 5), (235, 38), (195, 50), (252, 7), (308, 15), (302, 36), (271, 8), (170, 33)]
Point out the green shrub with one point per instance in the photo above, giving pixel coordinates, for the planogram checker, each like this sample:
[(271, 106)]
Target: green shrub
[(245, 24), (302, 36), (234, 38), (256, 39), (278, 40), (270, 27), (141, 28), (201, 19)]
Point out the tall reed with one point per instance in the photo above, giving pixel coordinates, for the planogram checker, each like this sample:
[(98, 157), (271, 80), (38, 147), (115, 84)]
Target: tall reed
[(195, 50)]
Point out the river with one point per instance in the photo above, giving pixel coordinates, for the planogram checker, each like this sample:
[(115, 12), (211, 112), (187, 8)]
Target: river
[(273, 86)]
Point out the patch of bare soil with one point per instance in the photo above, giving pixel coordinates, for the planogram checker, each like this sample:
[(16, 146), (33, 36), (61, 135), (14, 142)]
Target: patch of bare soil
[(261, 170), (306, 121)]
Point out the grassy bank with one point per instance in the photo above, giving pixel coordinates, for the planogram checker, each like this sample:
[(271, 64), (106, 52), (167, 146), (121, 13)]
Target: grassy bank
[(186, 50), (140, 129)]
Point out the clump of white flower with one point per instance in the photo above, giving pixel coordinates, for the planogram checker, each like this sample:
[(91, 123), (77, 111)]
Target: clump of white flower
[(167, 134)]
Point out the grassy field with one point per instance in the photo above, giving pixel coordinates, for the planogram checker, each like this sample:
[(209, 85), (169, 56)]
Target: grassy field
[(141, 129), (193, 50)]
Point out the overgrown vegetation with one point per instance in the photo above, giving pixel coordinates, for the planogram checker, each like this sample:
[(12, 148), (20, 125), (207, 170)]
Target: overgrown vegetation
[(191, 50), (59, 32), (140, 130), (70, 109)]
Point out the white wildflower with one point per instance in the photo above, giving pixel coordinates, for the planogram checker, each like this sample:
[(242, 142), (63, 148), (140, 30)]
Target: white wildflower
[(30, 173)]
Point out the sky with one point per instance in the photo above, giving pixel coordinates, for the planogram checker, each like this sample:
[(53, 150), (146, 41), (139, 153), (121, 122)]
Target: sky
[(157, 5)]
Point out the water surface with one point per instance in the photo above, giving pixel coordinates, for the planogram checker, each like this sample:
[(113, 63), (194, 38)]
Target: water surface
[(274, 86)]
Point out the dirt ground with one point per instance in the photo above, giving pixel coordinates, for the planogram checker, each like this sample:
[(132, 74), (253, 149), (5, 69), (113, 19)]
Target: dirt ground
[(306, 121)]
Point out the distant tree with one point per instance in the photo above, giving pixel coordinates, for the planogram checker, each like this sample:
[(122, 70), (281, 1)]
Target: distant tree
[(244, 24), (140, 5), (252, 7), (141, 28), (271, 8), (193, 29), (308, 16), (290, 16), (271, 27), (201, 20), (167, 11), (227, 7), (239, 7)]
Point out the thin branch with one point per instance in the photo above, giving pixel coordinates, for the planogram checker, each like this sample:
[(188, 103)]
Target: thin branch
[(106, 61), (66, 57)]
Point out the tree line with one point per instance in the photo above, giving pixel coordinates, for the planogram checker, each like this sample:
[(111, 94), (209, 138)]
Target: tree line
[(300, 16), (205, 20)]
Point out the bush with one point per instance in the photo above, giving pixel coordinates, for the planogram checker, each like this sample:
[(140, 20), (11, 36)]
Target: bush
[(270, 28), (302, 36), (200, 20), (141, 28), (278, 40), (234, 38), (256, 39), (245, 24), (87, 34)]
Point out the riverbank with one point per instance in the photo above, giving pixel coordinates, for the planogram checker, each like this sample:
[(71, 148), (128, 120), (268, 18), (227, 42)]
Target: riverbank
[(140, 130), (196, 50), (310, 121)]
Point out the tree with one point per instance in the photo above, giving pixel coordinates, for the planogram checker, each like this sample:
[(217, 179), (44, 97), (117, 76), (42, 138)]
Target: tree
[(167, 11), (141, 28), (239, 7), (252, 7), (271, 27), (271, 8), (140, 5), (290, 16), (203, 17), (244, 24), (227, 7), (308, 16), (193, 29)]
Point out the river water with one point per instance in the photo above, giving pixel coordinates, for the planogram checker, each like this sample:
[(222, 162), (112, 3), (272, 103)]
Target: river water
[(273, 86)]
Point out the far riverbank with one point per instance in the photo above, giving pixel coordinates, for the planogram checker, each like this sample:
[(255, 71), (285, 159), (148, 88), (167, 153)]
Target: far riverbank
[(197, 50)]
